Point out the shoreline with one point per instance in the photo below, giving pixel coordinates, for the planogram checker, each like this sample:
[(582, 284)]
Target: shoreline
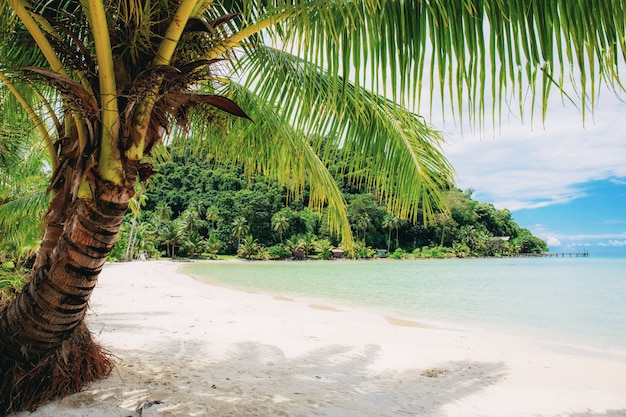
[(567, 340), (203, 349)]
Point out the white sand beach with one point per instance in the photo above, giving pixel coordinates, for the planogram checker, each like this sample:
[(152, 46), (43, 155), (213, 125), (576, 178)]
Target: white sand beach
[(203, 350)]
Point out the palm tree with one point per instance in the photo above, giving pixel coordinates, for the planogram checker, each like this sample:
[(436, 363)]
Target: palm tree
[(213, 216), (294, 245), (107, 80), (135, 204), (240, 228), (193, 244), (324, 247), (23, 200), (171, 234), (309, 243), (163, 212), (192, 219), (248, 248), (362, 222), (280, 223), (391, 222), (481, 242), (213, 246), (145, 239), (467, 233)]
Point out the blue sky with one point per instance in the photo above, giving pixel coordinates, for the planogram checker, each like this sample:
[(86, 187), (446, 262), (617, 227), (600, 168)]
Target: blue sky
[(595, 220), (564, 180)]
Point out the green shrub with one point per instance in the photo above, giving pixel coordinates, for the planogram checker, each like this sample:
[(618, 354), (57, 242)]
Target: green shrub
[(461, 250), (262, 254), (397, 254), (278, 252), (363, 252), (437, 253), (324, 247)]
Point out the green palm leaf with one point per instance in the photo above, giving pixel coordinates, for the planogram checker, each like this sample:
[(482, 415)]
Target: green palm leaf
[(469, 53), (410, 168), (273, 148), (28, 207)]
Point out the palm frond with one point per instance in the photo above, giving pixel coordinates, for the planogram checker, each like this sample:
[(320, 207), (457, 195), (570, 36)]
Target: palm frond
[(469, 53), (410, 169), (29, 207), (273, 148)]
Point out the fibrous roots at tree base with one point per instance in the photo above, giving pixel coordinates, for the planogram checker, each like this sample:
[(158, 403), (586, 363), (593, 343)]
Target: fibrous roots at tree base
[(28, 385)]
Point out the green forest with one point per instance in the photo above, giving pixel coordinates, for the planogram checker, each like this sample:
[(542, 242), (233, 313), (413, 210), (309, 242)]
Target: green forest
[(197, 209)]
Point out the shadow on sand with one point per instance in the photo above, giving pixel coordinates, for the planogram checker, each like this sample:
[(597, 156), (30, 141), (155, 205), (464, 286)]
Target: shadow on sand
[(259, 380), (254, 379)]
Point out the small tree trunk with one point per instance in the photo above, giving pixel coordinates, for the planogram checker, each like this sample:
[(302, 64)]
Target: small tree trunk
[(128, 253), (397, 239)]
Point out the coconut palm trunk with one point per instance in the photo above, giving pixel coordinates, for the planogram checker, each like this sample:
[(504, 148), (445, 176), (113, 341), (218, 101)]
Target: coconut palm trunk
[(42, 335), (54, 300)]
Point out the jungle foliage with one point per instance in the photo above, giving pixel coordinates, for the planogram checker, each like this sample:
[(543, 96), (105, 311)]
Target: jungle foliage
[(196, 208)]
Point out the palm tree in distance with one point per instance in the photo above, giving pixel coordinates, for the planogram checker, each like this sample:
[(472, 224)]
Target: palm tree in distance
[(391, 222), (280, 223), (362, 223), (240, 228), (192, 218), (104, 82), (163, 212), (134, 205), (213, 216)]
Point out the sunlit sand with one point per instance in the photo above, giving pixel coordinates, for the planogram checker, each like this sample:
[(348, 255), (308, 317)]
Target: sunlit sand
[(205, 350)]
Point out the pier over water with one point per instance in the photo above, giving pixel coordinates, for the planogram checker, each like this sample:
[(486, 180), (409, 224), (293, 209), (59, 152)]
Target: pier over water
[(569, 254), (583, 254)]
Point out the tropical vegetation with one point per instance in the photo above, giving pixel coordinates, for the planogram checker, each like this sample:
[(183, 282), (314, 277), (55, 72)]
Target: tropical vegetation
[(254, 218), (104, 84)]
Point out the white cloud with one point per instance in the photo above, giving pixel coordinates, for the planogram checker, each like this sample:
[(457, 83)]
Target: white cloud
[(578, 241), (553, 241), (613, 221), (529, 166), (581, 240)]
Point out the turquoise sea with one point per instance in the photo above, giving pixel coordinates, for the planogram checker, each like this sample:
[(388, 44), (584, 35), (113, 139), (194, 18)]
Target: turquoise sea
[(570, 301)]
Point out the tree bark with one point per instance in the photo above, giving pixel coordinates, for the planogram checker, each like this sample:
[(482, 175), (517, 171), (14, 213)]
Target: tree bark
[(45, 349)]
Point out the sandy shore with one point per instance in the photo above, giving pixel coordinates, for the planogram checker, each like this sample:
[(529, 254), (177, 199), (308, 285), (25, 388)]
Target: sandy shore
[(203, 350)]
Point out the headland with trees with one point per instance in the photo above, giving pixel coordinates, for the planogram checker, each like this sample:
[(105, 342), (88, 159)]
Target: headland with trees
[(194, 208)]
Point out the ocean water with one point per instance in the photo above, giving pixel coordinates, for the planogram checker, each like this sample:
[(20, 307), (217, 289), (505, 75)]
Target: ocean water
[(571, 301)]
